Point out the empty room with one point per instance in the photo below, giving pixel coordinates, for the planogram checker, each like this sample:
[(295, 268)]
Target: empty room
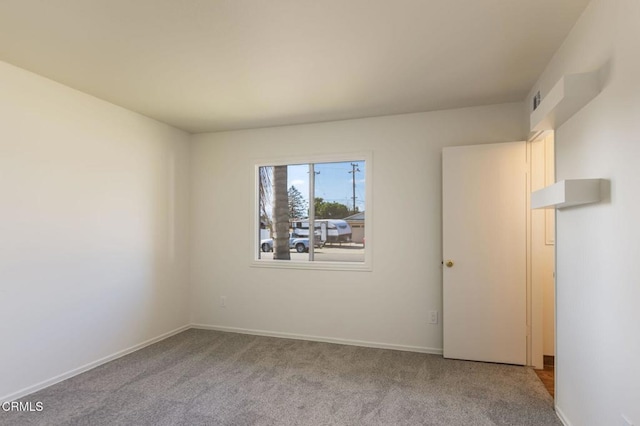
[(341, 212)]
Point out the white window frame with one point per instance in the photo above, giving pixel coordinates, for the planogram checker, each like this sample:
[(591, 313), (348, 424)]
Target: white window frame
[(367, 265)]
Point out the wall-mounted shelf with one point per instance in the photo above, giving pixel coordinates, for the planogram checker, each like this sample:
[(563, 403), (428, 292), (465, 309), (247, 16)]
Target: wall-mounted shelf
[(567, 97), (567, 193)]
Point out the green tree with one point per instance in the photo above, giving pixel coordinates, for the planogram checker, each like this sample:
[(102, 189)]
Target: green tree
[(297, 204), (317, 205), (330, 210)]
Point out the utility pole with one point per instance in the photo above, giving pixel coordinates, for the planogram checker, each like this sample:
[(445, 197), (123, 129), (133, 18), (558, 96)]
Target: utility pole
[(354, 170), (312, 211)]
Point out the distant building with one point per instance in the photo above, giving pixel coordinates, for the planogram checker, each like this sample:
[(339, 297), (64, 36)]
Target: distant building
[(356, 221)]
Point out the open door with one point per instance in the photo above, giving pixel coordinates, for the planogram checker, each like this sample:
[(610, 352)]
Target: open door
[(485, 252)]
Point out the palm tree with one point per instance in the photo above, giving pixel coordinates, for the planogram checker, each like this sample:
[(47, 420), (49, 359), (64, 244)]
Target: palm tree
[(273, 186), (281, 214)]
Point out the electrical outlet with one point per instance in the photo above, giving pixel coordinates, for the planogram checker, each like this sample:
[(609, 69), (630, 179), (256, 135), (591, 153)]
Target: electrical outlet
[(433, 317), (223, 301)]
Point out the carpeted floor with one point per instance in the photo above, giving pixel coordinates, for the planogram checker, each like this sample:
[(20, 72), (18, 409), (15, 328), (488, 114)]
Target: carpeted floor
[(201, 377)]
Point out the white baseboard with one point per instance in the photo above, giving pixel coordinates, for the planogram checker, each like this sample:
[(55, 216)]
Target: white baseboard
[(366, 344), (64, 376), (562, 417)]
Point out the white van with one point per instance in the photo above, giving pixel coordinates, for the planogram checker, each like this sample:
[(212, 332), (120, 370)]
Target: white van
[(331, 230)]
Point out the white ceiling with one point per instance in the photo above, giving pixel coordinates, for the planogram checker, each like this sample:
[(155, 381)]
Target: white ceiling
[(212, 65)]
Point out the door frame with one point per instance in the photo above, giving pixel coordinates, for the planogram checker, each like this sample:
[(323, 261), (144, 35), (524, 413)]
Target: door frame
[(535, 330)]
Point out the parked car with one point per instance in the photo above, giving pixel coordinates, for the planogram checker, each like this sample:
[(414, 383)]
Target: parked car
[(300, 244)]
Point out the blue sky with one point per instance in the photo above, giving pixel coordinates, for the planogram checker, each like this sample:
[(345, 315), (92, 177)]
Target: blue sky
[(333, 183)]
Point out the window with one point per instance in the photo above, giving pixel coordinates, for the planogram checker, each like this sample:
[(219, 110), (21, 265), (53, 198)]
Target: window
[(329, 196)]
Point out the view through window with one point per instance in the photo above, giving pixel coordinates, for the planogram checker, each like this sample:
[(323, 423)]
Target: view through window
[(337, 212)]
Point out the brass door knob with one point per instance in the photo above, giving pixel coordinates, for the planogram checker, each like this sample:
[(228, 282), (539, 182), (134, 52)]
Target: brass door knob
[(449, 263)]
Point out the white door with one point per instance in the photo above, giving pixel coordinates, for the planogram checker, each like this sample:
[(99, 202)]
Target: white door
[(484, 238)]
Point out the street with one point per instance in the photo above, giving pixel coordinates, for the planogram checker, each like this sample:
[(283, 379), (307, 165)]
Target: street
[(347, 252)]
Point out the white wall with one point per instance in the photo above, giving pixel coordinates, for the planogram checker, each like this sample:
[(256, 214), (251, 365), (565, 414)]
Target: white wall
[(93, 226), (388, 306), (598, 273)]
